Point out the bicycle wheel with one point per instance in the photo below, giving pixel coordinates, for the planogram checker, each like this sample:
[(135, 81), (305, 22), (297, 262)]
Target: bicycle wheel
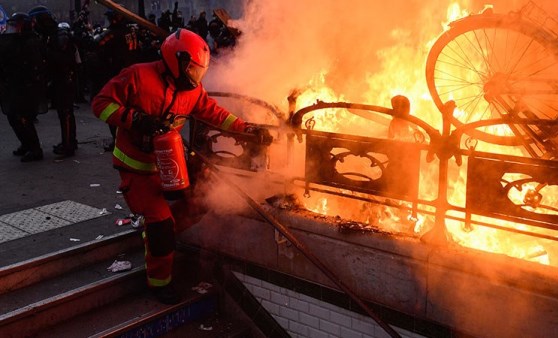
[(495, 66)]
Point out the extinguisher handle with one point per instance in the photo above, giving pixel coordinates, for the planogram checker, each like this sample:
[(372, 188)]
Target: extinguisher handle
[(170, 118), (145, 123)]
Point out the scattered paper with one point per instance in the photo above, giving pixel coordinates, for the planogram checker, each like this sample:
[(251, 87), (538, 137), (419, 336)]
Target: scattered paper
[(206, 328), (202, 287), (118, 266), (92, 185), (75, 239)]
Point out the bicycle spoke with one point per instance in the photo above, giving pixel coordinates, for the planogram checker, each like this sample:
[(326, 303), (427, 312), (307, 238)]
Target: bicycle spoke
[(490, 47), (493, 67), (467, 64), (453, 89)]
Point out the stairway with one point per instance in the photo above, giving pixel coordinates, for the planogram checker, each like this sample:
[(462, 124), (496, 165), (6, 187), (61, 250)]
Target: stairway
[(70, 293)]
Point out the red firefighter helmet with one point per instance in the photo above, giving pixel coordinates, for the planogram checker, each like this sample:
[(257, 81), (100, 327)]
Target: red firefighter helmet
[(186, 55)]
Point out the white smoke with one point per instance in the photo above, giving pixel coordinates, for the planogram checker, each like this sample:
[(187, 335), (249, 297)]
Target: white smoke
[(286, 43)]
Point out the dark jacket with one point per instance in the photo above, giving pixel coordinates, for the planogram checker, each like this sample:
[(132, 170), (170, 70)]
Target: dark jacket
[(23, 83), (62, 68)]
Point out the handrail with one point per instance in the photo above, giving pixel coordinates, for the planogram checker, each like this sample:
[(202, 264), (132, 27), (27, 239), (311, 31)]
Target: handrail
[(274, 109), (296, 118)]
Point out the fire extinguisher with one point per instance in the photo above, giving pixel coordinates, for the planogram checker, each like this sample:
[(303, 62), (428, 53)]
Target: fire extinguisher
[(169, 151)]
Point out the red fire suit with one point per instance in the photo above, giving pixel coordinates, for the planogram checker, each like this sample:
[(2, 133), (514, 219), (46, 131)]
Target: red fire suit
[(148, 88)]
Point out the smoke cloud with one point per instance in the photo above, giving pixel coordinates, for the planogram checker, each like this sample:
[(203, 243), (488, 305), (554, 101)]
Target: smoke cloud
[(356, 45), (363, 50)]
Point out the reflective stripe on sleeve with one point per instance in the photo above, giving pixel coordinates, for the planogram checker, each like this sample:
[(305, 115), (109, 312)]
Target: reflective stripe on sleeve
[(132, 163), (108, 111), (228, 122)]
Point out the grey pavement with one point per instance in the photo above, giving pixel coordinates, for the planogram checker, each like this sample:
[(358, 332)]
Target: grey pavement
[(53, 204)]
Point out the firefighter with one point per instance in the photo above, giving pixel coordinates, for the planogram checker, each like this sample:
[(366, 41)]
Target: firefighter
[(23, 83), (136, 101)]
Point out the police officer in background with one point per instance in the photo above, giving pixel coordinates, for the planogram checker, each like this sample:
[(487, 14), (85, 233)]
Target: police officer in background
[(63, 61), (43, 23), (23, 83)]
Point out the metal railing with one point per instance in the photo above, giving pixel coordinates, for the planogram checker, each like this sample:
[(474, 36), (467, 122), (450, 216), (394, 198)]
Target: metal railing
[(486, 188)]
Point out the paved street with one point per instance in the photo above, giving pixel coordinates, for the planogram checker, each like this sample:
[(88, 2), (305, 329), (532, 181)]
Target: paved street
[(79, 188)]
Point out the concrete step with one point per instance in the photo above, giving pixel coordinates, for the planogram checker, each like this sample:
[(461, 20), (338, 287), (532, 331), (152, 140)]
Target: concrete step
[(137, 314), (40, 268), (70, 293), (217, 325)]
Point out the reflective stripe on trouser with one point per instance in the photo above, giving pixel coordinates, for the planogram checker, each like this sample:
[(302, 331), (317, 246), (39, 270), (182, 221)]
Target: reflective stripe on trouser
[(158, 269), (144, 196)]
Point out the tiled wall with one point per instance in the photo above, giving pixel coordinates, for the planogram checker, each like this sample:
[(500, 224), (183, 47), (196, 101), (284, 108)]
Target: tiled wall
[(304, 316)]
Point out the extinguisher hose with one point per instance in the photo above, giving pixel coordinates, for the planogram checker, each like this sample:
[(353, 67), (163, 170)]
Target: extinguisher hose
[(296, 242)]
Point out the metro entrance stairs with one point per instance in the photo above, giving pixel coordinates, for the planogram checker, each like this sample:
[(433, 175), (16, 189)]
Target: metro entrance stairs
[(70, 293)]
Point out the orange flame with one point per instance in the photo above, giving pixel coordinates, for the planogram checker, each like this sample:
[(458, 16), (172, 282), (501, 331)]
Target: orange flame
[(402, 73)]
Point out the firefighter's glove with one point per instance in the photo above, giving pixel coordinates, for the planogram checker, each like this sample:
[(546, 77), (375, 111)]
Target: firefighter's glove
[(146, 124), (263, 136)]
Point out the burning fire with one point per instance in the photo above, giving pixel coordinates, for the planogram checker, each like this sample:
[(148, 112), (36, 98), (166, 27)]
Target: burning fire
[(402, 72)]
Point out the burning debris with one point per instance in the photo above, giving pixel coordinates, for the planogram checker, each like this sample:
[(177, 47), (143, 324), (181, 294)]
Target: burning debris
[(406, 169), (285, 202), (352, 226)]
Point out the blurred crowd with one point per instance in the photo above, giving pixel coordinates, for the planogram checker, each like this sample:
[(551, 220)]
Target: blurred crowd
[(49, 64)]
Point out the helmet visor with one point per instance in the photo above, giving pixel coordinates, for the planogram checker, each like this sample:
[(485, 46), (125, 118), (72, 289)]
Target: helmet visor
[(195, 72)]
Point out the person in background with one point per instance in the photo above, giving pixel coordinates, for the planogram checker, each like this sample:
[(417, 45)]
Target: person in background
[(82, 37), (165, 21), (23, 83), (220, 35), (201, 26), (191, 25), (138, 102), (214, 28), (149, 45), (176, 18), (43, 22), (116, 48), (3, 19), (63, 61)]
